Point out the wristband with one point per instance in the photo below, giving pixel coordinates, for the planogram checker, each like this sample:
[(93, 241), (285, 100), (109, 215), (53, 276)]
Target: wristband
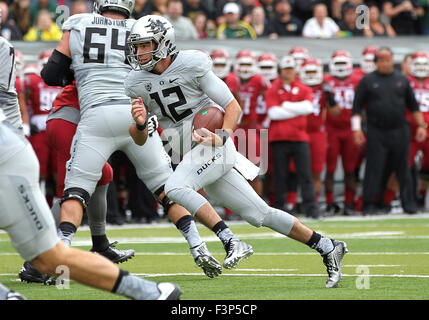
[(141, 127), (423, 125)]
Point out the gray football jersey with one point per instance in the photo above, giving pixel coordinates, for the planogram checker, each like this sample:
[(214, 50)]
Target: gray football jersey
[(174, 96), (98, 49), (11, 140), (8, 96)]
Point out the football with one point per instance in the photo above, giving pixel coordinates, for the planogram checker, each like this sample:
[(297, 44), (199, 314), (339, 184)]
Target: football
[(210, 118)]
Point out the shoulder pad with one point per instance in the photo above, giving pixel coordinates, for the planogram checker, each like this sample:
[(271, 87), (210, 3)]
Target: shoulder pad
[(73, 21)]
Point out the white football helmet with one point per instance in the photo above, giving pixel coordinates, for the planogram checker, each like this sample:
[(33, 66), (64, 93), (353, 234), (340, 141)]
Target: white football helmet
[(125, 7), (158, 32), (300, 54), (419, 66), (367, 62), (341, 65), (245, 64), (221, 63), (267, 65), (311, 72)]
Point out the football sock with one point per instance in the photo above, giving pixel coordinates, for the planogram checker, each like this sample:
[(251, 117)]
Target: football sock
[(188, 228), (135, 288), (322, 244), (349, 196), (329, 197), (223, 232), (97, 211), (3, 292), (66, 232), (99, 243)]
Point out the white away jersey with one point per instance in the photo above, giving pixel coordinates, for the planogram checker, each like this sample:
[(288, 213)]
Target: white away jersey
[(98, 49), (8, 96), (174, 96)]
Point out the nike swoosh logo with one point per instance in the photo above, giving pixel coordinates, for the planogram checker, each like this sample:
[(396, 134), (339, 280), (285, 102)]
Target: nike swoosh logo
[(171, 81)]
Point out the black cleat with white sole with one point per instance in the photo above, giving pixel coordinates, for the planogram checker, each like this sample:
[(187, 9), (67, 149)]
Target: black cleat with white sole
[(116, 255), (29, 273)]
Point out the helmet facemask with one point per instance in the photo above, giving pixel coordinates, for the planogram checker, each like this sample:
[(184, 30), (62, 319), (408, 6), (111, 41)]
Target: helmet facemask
[(158, 33)]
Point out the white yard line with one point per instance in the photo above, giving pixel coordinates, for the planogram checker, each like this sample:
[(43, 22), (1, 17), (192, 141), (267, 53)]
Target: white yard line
[(263, 275), (263, 253)]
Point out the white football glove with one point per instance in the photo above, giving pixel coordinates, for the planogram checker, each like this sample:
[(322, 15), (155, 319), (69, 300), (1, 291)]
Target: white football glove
[(152, 124)]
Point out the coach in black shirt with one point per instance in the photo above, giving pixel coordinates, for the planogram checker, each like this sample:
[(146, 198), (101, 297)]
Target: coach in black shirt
[(386, 94)]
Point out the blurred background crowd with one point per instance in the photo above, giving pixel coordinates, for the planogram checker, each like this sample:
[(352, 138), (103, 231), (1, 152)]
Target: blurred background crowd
[(35, 20), (249, 77)]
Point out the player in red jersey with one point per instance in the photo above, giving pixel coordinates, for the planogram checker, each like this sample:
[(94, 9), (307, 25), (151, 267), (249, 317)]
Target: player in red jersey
[(342, 83), (268, 67), (222, 66), (299, 54), (40, 97), (419, 81), (367, 61), (311, 74), (251, 86)]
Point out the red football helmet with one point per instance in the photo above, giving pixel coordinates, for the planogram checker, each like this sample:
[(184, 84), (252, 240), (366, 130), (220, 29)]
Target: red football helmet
[(300, 54), (19, 58), (419, 66), (44, 57), (245, 64), (311, 72), (31, 68), (267, 65), (367, 62), (221, 62), (340, 65)]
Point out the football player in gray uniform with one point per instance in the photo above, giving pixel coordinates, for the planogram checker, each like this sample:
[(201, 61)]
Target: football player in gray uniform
[(175, 85), (95, 45), (26, 217)]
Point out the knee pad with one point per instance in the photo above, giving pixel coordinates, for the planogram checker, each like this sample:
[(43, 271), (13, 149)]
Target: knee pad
[(165, 201), (76, 194)]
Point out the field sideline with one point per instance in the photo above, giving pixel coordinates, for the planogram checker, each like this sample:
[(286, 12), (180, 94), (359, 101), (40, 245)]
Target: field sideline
[(388, 259)]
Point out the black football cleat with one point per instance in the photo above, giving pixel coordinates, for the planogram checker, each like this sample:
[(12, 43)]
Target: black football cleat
[(116, 255), (29, 273)]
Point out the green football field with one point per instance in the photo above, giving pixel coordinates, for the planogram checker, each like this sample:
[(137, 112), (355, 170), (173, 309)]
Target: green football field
[(388, 259)]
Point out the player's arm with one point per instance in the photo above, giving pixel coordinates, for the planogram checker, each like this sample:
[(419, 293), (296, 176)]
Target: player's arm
[(57, 70), (138, 131), (219, 92), (356, 120)]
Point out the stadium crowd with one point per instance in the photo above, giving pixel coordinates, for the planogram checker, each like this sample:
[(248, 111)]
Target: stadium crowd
[(35, 20), (314, 139)]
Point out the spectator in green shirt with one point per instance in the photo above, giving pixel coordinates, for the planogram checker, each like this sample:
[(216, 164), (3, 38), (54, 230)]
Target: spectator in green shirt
[(42, 5), (233, 27)]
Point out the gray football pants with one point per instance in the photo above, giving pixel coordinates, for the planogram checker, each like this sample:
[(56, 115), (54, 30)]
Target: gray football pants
[(100, 132), (24, 212), (212, 169)]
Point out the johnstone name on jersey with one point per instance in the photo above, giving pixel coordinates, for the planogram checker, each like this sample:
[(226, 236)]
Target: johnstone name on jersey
[(109, 22)]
